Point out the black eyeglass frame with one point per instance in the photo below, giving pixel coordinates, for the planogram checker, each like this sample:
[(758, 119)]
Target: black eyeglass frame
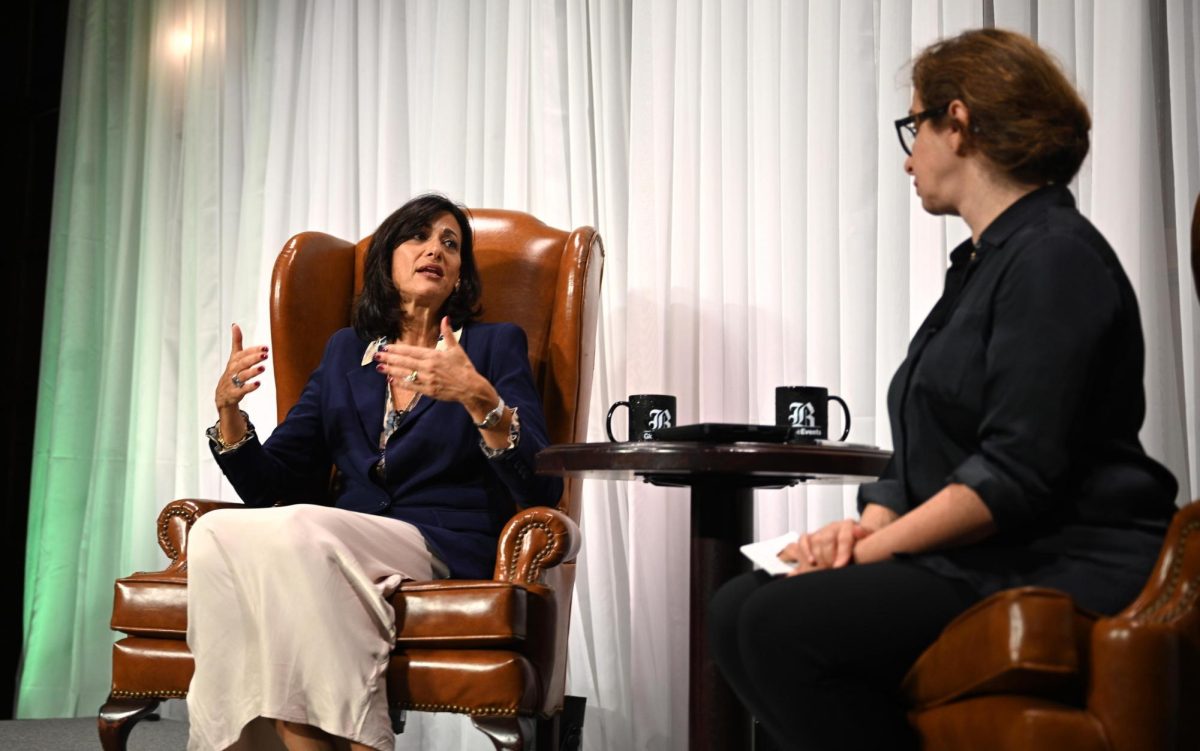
[(913, 121)]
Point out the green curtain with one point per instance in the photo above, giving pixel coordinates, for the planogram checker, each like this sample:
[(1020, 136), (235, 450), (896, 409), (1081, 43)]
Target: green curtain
[(135, 315)]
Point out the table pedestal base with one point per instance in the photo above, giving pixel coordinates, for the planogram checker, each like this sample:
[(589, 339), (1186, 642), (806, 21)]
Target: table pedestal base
[(722, 477), (722, 520)]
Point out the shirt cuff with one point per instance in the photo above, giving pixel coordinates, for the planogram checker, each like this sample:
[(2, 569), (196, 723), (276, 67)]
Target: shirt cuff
[(514, 439), (886, 493), (219, 444), (1003, 499)]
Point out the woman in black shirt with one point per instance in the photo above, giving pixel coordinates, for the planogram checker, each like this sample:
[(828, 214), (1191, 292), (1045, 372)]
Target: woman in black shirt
[(1015, 421)]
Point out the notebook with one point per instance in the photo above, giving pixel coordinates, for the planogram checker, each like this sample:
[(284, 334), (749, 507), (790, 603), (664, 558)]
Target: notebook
[(765, 553)]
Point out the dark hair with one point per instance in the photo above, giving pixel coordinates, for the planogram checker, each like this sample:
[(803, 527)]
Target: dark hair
[(1024, 114), (377, 312)]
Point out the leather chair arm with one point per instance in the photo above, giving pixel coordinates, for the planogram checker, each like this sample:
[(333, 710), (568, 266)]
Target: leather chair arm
[(1141, 656), (1023, 641), (1133, 686), (174, 521), (534, 540)]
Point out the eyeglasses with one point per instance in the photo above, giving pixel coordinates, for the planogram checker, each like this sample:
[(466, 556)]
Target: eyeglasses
[(906, 127)]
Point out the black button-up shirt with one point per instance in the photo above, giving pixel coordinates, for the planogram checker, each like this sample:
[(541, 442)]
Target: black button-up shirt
[(1025, 384)]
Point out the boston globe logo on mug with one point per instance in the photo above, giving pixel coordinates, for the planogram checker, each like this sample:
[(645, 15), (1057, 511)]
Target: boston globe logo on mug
[(805, 411), (647, 413)]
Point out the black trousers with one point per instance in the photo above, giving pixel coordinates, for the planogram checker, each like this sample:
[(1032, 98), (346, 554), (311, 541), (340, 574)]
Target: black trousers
[(818, 658)]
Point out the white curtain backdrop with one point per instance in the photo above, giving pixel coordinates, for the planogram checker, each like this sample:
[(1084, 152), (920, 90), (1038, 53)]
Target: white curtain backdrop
[(738, 157)]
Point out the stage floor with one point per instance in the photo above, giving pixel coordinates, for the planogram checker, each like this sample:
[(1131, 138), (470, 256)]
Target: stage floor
[(79, 734)]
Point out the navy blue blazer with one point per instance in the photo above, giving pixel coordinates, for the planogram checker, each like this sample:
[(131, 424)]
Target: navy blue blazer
[(437, 477)]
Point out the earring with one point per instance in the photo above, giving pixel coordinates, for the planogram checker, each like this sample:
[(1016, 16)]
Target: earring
[(457, 285)]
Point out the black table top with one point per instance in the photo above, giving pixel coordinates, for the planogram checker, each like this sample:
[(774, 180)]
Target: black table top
[(691, 462)]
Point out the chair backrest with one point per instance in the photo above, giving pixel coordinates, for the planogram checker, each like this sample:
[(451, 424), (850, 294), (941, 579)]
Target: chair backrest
[(545, 280)]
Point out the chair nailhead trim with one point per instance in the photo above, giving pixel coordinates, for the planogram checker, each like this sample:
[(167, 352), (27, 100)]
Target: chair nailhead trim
[(169, 693), (1157, 611), (163, 520), (461, 709), (488, 711), (535, 567)]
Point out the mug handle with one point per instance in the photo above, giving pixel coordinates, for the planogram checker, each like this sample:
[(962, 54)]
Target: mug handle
[(608, 420), (846, 410)]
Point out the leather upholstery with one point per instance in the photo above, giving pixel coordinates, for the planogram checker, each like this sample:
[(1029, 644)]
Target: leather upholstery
[(151, 667), (1027, 669), (494, 648), (152, 604), (1043, 634), (500, 682), (1008, 722)]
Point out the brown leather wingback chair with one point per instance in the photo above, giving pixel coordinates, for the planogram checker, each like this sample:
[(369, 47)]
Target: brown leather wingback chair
[(496, 649), (1028, 670)]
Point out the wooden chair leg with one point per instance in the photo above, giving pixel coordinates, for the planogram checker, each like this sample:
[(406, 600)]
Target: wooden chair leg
[(117, 717), (507, 733)]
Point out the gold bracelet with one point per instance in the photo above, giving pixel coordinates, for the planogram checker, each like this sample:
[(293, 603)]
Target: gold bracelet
[(214, 435)]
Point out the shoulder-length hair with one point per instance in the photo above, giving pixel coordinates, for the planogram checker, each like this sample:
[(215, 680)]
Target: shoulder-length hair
[(377, 312)]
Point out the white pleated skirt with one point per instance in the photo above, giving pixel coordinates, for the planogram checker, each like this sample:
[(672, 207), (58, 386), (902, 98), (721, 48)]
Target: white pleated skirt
[(289, 618)]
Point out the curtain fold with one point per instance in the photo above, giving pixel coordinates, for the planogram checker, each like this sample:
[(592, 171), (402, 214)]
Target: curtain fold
[(738, 158)]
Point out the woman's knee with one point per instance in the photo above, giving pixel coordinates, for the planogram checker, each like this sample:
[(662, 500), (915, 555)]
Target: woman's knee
[(787, 628), (230, 532), (724, 613), (283, 530), (204, 536)]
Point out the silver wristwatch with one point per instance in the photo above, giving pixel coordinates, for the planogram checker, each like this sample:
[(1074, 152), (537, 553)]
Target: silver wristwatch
[(492, 418)]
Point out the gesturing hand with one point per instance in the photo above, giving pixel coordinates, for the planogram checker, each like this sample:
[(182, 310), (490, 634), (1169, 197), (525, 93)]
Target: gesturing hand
[(445, 374), (244, 364), (832, 546)]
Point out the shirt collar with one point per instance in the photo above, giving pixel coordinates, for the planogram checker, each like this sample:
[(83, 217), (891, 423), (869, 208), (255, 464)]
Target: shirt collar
[(1022, 211), (373, 347)]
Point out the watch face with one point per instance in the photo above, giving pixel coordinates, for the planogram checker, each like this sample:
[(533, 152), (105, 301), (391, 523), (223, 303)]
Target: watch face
[(493, 417)]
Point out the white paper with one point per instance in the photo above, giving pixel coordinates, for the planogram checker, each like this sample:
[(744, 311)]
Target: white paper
[(765, 553)]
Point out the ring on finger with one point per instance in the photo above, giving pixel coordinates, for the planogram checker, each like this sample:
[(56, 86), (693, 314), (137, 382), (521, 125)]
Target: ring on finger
[(238, 382), (411, 377)]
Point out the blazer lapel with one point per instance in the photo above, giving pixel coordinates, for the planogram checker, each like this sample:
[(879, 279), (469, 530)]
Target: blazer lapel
[(367, 387)]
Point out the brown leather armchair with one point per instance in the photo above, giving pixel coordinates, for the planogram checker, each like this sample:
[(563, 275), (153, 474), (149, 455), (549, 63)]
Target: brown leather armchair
[(1028, 670), (496, 649)]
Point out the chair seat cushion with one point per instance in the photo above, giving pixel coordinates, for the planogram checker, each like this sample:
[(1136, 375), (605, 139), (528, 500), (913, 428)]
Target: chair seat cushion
[(471, 613), (1026, 640), (445, 614), (152, 604), (144, 667), (1008, 723), (480, 682)]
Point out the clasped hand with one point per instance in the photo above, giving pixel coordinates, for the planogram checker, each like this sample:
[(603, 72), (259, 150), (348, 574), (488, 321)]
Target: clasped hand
[(445, 374), (832, 546)]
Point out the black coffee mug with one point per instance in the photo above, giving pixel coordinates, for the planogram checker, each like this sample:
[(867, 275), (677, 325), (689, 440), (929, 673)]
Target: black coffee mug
[(647, 413), (805, 409)]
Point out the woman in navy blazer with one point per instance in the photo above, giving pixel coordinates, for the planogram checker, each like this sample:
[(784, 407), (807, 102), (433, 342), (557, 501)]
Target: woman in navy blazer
[(430, 423)]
